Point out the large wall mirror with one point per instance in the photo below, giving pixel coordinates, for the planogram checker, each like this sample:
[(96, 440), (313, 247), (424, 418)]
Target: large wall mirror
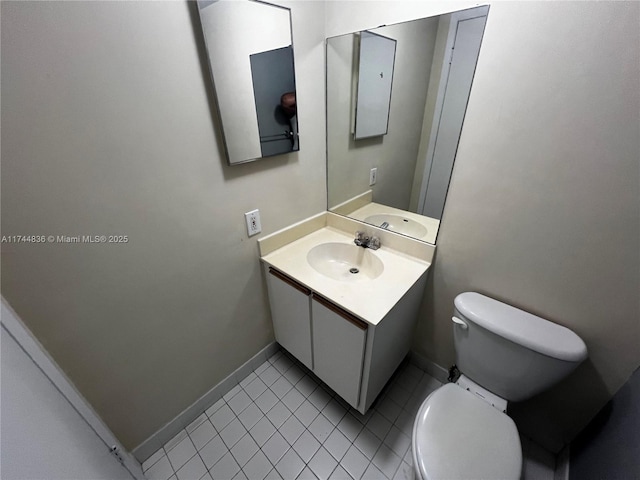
[(399, 180), (250, 55)]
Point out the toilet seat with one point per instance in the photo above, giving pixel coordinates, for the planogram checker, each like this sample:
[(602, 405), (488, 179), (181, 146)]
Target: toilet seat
[(456, 435)]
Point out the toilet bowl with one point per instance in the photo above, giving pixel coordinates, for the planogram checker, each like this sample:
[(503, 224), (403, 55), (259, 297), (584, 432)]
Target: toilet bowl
[(504, 354), (457, 435)]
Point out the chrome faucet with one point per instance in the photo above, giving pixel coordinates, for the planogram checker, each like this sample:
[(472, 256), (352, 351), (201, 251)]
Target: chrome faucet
[(366, 241)]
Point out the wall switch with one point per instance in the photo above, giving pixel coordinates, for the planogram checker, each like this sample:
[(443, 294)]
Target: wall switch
[(253, 222), (373, 176)]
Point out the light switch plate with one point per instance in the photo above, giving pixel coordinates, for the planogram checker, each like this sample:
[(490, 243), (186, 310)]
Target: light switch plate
[(253, 222)]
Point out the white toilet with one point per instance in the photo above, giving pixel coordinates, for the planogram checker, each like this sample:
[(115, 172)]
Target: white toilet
[(503, 354)]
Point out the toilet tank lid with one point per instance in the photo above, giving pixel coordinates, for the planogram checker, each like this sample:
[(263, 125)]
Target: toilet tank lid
[(520, 327)]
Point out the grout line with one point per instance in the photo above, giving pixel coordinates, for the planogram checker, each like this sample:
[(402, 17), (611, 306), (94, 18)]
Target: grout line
[(271, 361)]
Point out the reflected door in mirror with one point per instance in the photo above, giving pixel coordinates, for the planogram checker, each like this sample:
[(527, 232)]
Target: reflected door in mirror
[(466, 47)]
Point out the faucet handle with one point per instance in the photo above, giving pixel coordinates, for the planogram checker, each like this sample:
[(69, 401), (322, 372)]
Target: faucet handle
[(362, 239), (374, 243)]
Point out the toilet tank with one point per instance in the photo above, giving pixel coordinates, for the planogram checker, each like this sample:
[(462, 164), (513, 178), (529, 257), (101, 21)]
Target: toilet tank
[(510, 352)]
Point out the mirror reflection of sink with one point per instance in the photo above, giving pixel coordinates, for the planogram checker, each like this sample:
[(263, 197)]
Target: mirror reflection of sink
[(345, 262), (398, 223)]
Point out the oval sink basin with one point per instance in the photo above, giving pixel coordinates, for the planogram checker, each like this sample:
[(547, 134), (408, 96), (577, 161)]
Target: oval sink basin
[(345, 262), (397, 223)]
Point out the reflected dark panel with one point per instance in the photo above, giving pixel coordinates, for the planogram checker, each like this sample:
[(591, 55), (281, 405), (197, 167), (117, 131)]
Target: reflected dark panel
[(273, 78)]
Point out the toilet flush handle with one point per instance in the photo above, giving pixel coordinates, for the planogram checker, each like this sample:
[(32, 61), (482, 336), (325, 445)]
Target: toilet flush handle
[(462, 324)]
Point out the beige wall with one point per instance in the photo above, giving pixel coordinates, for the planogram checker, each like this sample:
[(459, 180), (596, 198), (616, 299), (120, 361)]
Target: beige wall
[(109, 127), (543, 210)]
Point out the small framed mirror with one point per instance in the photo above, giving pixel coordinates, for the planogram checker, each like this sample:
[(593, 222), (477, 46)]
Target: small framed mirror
[(376, 59), (250, 52)]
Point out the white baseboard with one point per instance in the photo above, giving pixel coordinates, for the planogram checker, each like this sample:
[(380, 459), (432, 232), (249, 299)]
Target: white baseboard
[(189, 414), (436, 371)]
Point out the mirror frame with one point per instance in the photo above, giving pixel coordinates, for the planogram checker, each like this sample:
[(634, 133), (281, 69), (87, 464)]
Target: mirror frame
[(253, 121)]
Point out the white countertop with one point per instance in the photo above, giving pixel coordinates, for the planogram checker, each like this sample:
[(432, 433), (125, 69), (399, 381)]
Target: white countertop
[(430, 224), (369, 300)]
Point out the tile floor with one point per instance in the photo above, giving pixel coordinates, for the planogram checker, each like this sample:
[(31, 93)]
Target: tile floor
[(282, 422)]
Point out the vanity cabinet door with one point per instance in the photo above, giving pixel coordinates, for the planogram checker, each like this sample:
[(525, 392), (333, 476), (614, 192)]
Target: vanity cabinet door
[(339, 341), (290, 310)]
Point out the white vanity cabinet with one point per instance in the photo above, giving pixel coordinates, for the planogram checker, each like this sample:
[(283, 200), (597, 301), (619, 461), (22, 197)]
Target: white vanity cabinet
[(353, 357), (290, 310), (339, 341)]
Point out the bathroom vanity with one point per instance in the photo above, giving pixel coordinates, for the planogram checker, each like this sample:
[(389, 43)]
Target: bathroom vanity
[(346, 312)]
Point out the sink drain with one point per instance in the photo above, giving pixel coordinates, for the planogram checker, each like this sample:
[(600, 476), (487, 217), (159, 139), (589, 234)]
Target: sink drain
[(354, 270)]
